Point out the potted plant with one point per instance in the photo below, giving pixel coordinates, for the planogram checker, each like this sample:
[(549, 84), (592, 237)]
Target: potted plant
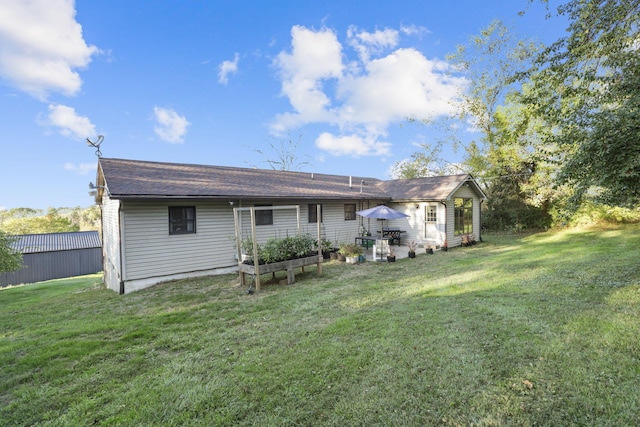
[(392, 255), (445, 245), (429, 249), (325, 247), (412, 245), (352, 253)]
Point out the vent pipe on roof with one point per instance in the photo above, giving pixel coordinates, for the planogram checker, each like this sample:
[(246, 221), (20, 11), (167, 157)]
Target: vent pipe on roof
[(311, 175), (350, 182), (361, 185)]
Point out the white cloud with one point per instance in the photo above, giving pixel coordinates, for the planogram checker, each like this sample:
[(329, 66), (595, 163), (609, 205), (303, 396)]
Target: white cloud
[(361, 98), (80, 169), (399, 85), (412, 30), (367, 44), (226, 68), (170, 127), (42, 46), (315, 56), (351, 145), (68, 122)]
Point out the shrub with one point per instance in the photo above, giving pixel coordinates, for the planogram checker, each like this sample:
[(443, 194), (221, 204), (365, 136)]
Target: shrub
[(276, 250)]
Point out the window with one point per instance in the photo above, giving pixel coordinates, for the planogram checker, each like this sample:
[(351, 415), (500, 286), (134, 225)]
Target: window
[(264, 217), (463, 216), (182, 219), (350, 212), (313, 212), (431, 214)]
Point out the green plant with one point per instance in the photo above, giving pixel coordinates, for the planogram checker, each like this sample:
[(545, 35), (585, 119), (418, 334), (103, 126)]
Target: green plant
[(325, 245), (246, 246), (282, 249), (350, 249), (10, 260)]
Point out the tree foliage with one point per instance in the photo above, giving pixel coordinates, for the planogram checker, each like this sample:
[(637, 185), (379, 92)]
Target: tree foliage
[(54, 220), (10, 260), (587, 86), (505, 158)]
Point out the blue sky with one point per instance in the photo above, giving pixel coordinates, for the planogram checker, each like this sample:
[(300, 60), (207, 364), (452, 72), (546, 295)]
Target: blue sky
[(213, 82)]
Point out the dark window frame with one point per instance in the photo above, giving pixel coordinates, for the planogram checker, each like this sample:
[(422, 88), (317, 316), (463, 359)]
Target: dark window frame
[(463, 216), (264, 216), (349, 214), (312, 214), (182, 220)]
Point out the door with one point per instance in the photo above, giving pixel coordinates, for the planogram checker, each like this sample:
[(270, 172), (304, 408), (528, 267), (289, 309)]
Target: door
[(431, 234)]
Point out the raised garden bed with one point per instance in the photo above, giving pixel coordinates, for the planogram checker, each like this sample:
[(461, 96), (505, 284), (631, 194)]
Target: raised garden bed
[(289, 266)]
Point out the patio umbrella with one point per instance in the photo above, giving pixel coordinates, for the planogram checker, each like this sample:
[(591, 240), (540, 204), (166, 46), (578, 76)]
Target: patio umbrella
[(382, 212)]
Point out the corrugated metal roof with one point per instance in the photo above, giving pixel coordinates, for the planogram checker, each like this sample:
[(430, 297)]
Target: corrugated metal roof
[(52, 242)]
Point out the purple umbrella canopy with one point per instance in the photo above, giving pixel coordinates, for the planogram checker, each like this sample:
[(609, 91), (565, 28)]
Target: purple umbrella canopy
[(382, 212)]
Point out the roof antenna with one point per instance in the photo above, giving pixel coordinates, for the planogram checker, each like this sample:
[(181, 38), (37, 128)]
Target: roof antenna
[(96, 145)]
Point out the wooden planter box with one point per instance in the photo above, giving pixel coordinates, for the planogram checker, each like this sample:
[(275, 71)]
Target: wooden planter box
[(289, 266)]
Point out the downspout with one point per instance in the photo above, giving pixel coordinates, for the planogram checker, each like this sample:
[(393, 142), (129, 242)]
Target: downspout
[(480, 217), (121, 291)]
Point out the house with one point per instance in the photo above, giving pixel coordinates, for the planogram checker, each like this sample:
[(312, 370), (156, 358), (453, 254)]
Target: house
[(166, 221), (55, 256)]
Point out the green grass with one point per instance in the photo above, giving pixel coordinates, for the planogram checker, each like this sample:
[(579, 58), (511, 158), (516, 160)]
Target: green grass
[(535, 330)]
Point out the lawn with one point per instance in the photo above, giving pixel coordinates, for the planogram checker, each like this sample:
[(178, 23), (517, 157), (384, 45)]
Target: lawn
[(519, 330)]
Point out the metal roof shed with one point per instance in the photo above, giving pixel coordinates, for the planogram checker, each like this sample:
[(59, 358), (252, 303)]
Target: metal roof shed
[(55, 256)]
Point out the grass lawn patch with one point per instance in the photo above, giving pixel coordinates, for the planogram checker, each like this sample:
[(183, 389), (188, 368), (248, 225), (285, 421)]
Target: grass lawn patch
[(518, 330)]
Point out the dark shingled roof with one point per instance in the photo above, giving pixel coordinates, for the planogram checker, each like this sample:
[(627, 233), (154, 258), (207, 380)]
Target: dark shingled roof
[(429, 188), (141, 179), (53, 242), (133, 179)]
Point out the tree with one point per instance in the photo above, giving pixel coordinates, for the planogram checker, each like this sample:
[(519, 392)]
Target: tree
[(10, 260), (587, 86), (52, 222), (505, 159), (286, 156)]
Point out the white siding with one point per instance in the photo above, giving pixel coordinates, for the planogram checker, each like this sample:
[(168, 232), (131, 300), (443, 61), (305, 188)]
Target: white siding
[(415, 225), (467, 193), (334, 227), (151, 252), (111, 243)]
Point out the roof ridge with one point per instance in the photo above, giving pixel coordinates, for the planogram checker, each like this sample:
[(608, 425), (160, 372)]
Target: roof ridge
[(239, 168)]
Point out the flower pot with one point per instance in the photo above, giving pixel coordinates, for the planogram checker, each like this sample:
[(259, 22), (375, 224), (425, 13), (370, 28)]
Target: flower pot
[(391, 258), (341, 257), (333, 255), (362, 258), (412, 254), (352, 259), (430, 251)]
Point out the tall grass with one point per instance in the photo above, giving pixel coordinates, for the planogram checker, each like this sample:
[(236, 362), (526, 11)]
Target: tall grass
[(535, 330)]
